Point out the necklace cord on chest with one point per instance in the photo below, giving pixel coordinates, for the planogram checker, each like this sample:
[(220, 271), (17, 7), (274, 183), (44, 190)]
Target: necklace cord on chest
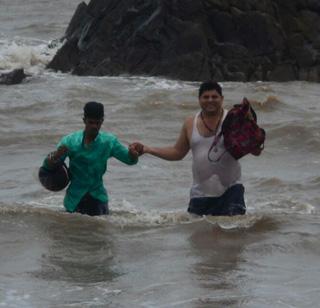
[(216, 138), (207, 126)]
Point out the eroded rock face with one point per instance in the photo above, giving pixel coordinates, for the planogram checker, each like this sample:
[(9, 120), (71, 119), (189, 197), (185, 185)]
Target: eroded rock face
[(14, 77), (194, 40)]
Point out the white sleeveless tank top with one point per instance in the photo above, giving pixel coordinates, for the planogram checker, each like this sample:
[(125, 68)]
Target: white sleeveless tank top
[(211, 178)]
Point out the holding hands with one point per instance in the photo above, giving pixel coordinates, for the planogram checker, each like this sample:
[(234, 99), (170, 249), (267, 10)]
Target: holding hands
[(136, 149)]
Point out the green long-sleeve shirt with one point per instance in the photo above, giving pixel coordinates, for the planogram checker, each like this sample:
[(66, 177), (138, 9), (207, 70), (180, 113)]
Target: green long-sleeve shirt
[(88, 163)]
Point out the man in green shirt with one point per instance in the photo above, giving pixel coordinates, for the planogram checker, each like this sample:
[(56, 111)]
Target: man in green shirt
[(88, 151)]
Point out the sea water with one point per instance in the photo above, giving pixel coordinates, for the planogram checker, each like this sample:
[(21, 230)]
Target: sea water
[(149, 252)]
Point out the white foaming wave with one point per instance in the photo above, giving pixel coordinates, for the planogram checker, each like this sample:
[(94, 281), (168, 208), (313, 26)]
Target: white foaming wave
[(32, 56), (123, 214), (50, 202), (126, 214), (157, 83), (15, 298), (107, 291), (287, 205), (235, 222), (48, 206)]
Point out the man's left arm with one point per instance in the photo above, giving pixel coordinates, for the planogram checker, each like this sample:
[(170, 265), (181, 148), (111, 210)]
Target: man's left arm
[(126, 155)]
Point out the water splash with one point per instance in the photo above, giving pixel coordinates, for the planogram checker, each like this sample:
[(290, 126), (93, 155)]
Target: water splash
[(235, 222), (33, 56)]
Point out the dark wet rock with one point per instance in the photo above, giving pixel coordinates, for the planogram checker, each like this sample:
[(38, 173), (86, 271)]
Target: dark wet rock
[(283, 72), (194, 40), (14, 77)]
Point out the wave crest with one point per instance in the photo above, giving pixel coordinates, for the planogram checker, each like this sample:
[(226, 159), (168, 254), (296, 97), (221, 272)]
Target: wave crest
[(32, 56)]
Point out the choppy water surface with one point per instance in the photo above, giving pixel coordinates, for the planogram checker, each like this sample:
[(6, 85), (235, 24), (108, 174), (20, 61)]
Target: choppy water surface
[(149, 252)]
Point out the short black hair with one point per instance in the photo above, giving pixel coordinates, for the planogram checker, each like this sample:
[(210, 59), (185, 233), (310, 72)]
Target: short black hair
[(93, 110), (208, 86)]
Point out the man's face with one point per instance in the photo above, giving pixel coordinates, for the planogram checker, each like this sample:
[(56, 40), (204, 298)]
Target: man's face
[(92, 126), (211, 101)]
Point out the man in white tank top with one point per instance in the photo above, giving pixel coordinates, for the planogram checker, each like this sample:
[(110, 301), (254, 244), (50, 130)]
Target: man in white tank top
[(216, 188)]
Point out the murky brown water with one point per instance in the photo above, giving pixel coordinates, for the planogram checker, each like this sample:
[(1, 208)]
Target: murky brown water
[(149, 252)]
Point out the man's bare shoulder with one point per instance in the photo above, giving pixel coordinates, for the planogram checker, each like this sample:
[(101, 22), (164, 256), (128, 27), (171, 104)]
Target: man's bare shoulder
[(188, 122), (188, 125)]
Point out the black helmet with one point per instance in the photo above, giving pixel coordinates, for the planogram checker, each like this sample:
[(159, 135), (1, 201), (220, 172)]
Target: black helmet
[(56, 179)]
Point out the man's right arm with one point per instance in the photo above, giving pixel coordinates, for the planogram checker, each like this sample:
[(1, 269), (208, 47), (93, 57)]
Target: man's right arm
[(176, 152), (56, 157)]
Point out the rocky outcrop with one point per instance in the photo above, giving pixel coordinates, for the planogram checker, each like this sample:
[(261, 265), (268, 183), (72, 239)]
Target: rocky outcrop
[(14, 77), (194, 40)]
